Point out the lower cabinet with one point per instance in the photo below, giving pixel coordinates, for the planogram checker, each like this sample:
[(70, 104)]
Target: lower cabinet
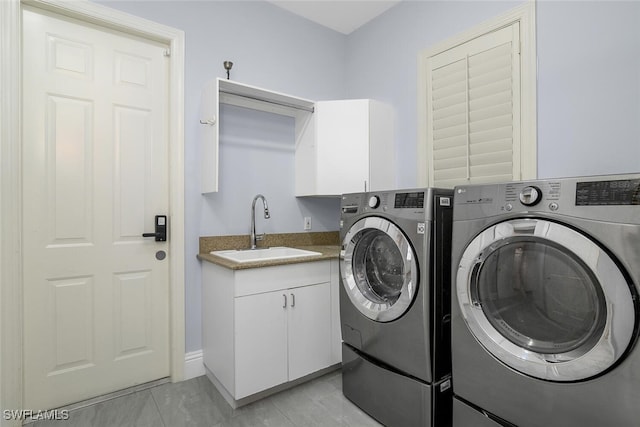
[(264, 327), (281, 336)]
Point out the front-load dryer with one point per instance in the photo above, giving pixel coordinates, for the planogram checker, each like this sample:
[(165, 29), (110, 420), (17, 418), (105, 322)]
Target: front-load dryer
[(395, 304), (545, 313)]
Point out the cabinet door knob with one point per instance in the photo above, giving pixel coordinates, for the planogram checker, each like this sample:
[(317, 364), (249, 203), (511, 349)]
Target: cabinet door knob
[(284, 305), (293, 300)]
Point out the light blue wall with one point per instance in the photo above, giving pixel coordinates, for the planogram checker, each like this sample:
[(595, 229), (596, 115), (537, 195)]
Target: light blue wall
[(588, 77), (588, 88), (382, 61), (588, 97), (270, 48)]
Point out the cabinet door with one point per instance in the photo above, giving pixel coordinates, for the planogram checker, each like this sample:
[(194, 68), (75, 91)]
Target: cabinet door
[(342, 146), (309, 329), (261, 342)]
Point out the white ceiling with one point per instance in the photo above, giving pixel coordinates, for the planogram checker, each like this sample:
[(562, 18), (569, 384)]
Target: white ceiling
[(344, 16)]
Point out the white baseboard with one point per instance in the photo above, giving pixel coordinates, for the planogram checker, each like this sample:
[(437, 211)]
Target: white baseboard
[(193, 365)]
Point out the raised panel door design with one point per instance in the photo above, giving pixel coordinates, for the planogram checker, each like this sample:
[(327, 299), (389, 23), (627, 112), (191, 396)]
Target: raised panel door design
[(69, 169), (95, 172), (71, 324)]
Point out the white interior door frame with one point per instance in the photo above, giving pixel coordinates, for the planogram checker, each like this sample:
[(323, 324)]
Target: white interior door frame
[(11, 315)]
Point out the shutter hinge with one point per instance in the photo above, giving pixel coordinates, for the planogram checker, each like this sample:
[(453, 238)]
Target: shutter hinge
[(167, 52)]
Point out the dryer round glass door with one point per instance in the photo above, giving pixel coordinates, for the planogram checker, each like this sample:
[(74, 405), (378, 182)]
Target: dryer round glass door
[(545, 300), (379, 269)]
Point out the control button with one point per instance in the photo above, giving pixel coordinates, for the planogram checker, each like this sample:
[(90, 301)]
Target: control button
[(553, 206), (374, 202), (530, 195), (509, 207)]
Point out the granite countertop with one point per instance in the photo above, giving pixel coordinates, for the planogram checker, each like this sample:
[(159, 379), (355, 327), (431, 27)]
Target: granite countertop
[(327, 243)]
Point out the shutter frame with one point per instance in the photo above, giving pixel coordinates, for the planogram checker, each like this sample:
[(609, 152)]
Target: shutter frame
[(524, 60)]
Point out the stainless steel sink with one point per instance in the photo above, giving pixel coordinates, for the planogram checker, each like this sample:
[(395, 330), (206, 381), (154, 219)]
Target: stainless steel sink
[(267, 254)]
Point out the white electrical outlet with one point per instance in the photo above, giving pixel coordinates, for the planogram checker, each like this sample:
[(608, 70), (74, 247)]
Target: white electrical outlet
[(307, 223)]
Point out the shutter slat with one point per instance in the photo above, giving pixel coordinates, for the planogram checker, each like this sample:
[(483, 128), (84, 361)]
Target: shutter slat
[(499, 74), (490, 158), (490, 135), (459, 98), (450, 132), (494, 110), (450, 79), (450, 183), (489, 60), (451, 163), (450, 91), (491, 170), (452, 173), (492, 146), (451, 120), (490, 123), (444, 71), (451, 151), (455, 141), (460, 108), (499, 87), (490, 101)]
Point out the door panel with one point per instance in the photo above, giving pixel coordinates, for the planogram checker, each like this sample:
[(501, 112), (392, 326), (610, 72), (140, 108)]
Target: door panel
[(95, 172), (309, 329), (260, 342), (379, 269), (545, 299)]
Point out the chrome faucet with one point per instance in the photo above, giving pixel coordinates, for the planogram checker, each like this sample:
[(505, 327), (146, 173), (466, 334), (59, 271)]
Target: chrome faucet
[(255, 238)]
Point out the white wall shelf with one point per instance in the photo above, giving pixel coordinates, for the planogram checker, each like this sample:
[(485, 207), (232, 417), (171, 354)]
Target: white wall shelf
[(221, 91)]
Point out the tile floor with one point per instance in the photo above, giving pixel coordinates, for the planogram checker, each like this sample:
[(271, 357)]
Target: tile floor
[(196, 402)]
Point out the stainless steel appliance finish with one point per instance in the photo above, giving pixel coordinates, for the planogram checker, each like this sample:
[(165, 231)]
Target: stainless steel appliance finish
[(467, 415), (545, 308), (395, 304)]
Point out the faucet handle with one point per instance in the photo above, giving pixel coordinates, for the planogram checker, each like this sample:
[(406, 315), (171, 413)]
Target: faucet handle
[(260, 237)]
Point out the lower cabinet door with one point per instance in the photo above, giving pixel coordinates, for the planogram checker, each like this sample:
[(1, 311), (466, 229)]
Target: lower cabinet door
[(309, 329), (260, 341)]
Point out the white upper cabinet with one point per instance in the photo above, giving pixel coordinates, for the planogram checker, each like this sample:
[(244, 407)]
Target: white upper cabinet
[(221, 91), (351, 149), (340, 146)]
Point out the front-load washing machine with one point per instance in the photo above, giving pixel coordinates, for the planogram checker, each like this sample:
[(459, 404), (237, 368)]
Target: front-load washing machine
[(395, 305), (545, 283)]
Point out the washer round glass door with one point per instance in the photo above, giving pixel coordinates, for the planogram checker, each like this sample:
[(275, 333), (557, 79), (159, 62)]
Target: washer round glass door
[(545, 300), (379, 269)]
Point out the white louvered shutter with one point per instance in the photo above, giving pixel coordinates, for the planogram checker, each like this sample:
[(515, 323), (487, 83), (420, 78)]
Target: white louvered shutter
[(473, 109)]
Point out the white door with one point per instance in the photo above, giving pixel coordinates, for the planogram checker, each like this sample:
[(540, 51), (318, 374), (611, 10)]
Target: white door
[(260, 342), (309, 329), (95, 172)]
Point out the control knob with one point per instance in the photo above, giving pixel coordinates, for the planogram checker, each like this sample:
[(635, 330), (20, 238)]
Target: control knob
[(530, 195), (374, 202)]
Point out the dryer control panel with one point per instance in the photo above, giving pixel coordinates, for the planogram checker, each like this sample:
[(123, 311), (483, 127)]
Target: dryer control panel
[(618, 192), (614, 197)]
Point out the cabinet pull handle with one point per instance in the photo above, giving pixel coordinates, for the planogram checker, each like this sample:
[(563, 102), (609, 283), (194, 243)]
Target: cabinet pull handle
[(293, 300), (285, 301), (365, 185)]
